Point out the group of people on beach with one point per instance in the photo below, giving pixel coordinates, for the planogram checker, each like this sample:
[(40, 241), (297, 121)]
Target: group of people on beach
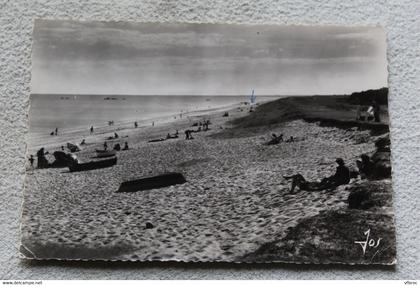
[(201, 126), (276, 139), (117, 146), (341, 176), (55, 132)]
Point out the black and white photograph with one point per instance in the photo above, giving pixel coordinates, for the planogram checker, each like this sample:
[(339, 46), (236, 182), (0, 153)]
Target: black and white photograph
[(208, 143)]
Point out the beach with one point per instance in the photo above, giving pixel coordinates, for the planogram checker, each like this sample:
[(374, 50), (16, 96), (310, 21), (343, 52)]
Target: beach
[(234, 201)]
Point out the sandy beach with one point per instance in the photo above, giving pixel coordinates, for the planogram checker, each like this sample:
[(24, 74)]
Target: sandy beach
[(235, 199)]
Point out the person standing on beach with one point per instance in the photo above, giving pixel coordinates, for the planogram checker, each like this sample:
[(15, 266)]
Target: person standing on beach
[(91, 129), (188, 135), (42, 161), (135, 125), (105, 146), (376, 111), (358, 113), (56, 131)]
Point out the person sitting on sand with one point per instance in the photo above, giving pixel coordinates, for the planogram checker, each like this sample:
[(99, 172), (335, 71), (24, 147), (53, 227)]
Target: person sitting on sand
[(341, 177), (275, 139), (117, 147), (365, 166), (116, 135), (83, 142), (125, 146)]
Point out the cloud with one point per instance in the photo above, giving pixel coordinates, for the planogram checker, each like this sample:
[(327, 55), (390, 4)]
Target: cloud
[(99, 57)]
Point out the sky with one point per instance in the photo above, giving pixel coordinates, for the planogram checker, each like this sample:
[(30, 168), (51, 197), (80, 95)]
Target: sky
[(70, 57)]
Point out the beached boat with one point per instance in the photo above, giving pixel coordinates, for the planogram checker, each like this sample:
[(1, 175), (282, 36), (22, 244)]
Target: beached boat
[(93, 165), (105, 153), (152, 182)]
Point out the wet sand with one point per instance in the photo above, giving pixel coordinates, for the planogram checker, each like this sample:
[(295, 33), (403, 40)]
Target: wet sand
[(235, 198)]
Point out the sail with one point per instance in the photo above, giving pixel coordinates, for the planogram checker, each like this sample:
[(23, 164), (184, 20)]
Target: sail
[(253, 97)]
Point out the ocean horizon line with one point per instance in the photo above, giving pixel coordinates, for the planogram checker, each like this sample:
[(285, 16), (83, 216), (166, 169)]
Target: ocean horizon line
[(163, 95)]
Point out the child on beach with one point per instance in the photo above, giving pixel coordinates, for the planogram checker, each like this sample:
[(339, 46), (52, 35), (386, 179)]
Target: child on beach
[(125, 146), (31, 160)]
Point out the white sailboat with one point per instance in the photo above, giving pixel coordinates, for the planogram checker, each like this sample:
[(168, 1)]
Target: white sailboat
[(253, 98)]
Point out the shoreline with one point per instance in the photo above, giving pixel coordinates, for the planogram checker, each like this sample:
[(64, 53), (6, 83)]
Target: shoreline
[(75, 135)]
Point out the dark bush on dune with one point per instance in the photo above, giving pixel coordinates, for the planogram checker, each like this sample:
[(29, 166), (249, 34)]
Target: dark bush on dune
[(369, 194), (383, 143), (367, 97)]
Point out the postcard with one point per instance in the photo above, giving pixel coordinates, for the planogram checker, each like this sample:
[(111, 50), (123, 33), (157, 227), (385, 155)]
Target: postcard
[(208, 142)]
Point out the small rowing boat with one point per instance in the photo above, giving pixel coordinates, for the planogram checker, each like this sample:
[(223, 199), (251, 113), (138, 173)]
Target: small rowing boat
[(93, 165), (105, 153)]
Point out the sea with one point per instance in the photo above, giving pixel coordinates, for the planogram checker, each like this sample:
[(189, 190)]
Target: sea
[(75, 112)]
